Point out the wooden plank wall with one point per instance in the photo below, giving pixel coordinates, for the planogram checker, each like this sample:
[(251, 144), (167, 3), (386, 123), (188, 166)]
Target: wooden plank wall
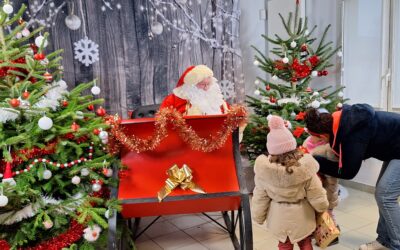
[(137, 69)]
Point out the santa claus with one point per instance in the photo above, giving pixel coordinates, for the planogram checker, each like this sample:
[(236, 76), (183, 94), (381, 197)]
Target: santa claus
[(197, 93)]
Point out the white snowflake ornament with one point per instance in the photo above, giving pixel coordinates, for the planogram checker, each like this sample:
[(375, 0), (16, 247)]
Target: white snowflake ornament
[(86, 51), (227, 88)]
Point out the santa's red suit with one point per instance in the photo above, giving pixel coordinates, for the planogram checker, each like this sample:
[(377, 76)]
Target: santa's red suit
[(178, 99)]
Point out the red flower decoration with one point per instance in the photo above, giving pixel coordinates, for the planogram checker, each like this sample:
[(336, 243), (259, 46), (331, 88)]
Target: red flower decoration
[(301, 70), (300, 116), (313, 60), (298, 131)]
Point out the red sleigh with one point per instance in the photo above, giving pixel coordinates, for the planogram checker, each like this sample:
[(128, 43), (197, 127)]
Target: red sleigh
[(219, 173)]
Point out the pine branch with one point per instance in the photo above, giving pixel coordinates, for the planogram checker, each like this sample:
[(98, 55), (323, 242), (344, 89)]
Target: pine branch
[(323, 37), (16, 17)]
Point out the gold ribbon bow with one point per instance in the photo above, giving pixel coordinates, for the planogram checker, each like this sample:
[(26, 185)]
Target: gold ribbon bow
[(179, 177)]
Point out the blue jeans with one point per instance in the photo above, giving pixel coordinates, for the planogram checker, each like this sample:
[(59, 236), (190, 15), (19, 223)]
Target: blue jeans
[(387, 194)]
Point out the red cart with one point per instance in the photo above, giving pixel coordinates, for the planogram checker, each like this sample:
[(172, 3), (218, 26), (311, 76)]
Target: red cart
[(219, 173)]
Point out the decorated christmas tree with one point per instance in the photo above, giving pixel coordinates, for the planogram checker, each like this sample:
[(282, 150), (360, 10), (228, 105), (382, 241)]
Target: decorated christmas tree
[(55, 171), (299, 59)]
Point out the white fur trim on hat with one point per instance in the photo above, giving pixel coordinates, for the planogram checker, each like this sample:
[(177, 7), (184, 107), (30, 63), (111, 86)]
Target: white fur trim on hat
[(198, 74)]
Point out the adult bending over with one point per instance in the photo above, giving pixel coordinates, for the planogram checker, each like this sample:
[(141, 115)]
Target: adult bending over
[(356, 133)]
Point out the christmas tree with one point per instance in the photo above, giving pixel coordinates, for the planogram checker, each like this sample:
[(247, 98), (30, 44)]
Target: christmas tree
[(55, 171), (288, 93)]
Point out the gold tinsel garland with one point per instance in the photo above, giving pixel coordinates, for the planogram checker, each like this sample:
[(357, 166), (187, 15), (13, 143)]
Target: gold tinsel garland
[(235, 117)]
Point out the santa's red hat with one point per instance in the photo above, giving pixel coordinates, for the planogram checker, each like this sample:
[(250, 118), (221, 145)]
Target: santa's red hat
[(192, 75)]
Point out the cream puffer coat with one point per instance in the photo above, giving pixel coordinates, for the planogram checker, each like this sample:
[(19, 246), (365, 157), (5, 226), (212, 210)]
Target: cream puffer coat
[(288, 201)]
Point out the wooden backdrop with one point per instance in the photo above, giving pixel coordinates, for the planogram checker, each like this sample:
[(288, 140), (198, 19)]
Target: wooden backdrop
[(137, 67)]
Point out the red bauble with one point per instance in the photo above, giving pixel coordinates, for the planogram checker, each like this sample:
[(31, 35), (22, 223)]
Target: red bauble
[(34, 48), (319, 73), (25, 95), (324, 72), (293, 79), (14, 102), (75, 127), (96, 131), (309, 89), (90, 107), (32, 79), (105, 171), (101, 111), (268, 88), (64, 103), (303, 47), (272, 99), (39, 56)]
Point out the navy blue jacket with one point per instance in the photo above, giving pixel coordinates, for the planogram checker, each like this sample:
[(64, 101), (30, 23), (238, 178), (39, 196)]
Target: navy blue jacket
[(363, 133)]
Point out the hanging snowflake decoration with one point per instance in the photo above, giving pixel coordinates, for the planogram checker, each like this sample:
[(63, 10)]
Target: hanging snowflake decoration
[(86, 51), (227, 89)]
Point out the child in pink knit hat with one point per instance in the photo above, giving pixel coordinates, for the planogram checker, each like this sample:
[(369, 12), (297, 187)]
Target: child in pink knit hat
[(287, 189), (320, 146)]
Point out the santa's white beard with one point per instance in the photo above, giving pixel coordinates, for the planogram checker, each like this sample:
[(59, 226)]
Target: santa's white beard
[(209, 102)]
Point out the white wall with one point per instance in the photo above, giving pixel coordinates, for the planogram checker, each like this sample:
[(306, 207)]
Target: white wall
[(251, 29), (369, 172)]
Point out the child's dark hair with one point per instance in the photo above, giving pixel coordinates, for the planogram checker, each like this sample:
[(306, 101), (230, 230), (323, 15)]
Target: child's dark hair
[(287, 160), (320, 123)]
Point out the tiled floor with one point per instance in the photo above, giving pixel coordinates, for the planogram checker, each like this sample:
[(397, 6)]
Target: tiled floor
[(357, 215)]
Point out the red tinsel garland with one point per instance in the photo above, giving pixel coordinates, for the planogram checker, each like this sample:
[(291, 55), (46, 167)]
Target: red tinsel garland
[(235, 117), (72, 235)]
